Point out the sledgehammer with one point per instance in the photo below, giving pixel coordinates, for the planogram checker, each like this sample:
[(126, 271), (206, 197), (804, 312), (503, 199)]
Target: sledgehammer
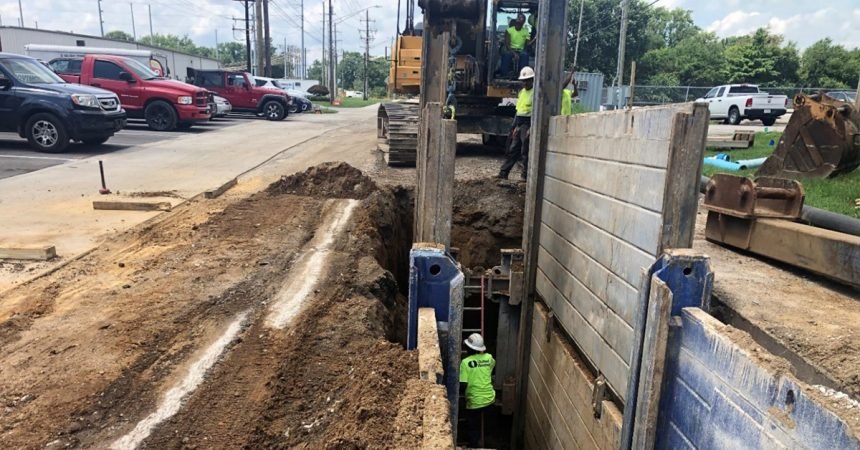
[(104, 190)]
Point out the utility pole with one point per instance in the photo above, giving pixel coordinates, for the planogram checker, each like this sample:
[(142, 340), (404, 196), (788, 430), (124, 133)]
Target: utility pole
[(331, 54), (151, 34), (217, 55), (21, 13), (247, 33), (267, 41), (133, 29), (101, 20), (578, 32), (367, 39), (258, 19), (325, 78), (304, 73), (622, 43), (285, 57)]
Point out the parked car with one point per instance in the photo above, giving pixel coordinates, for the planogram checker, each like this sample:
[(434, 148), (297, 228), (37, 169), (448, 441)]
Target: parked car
[(354, 94), (241, 90), (222, 106), (844, 96), (166, 105), (735, 102), (298, 101), (41, 107), (158, 63)]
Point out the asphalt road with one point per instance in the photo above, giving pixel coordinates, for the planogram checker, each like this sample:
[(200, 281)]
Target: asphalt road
[(16, 156)]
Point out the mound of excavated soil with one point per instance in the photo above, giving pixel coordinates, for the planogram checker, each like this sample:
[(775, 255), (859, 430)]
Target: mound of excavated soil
[(327, 180), (488, 216)]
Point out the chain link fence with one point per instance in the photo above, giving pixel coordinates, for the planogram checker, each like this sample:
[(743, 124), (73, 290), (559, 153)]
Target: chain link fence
[(659, 95)]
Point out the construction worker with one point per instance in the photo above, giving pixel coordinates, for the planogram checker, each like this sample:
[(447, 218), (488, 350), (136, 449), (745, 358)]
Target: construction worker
[(567, 95), (516, 39), (519, 142), (476, 380)]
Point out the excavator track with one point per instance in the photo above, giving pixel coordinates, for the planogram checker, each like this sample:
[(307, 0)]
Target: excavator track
[(397, 130)]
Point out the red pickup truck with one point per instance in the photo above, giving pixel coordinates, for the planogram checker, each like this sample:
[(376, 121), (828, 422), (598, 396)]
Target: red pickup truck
[(165, 104), (243, 93)]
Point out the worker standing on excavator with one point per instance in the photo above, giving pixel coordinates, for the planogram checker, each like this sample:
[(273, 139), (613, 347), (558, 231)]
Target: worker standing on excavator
[(519, 142), (476, 373), (517, 37)]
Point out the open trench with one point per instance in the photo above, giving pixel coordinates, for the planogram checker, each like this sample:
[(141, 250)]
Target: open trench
[(275, 321)]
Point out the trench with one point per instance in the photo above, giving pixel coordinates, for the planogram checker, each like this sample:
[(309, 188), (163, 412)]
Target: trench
[(800, 368)]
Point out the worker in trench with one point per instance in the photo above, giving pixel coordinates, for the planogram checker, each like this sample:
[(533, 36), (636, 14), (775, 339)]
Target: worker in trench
[(476, 380), (518, 144)]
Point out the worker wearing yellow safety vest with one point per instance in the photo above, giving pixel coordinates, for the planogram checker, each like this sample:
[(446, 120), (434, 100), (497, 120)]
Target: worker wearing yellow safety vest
[(476, 373), (514, 56), (567, 94), (518, 144)]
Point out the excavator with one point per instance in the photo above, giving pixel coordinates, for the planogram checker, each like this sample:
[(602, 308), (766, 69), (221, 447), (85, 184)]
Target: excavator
[(477, 82)]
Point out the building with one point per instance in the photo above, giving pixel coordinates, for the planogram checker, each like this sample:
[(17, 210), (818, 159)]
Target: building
[(14, 40)]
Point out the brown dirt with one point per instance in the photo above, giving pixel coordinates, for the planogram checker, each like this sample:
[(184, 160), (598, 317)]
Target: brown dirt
[(89, 350), (329, 180), (488, 216), (810, 317)]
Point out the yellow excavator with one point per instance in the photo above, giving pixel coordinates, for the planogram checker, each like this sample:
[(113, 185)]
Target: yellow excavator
[(477, 81)]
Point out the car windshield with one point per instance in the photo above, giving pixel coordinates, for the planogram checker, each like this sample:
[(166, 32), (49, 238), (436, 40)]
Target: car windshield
[(30, 71), (278, 84), (140, 70), (741, 90)]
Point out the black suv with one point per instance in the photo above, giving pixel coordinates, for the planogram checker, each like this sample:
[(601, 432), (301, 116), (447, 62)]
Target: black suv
[(41, 107)]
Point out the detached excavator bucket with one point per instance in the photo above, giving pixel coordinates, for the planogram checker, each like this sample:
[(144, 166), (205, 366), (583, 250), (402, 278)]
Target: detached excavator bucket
[(822, 139)]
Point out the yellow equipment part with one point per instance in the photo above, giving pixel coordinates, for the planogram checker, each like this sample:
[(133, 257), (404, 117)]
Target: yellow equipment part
[(822, 139), (405, 73)]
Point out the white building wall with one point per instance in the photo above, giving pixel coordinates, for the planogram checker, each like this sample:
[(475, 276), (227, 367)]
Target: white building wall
[(14, 39)]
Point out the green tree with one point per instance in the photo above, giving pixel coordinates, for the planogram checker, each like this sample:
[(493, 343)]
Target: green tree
[(231, 53), (182, 44), (696, 60), (825, 64), (119, 35), (315, 72), (760, 58)]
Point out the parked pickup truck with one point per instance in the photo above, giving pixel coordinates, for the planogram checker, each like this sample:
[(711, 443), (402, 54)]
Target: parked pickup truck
[(241, 90), (735, 102), (48, 112), (165, 104)]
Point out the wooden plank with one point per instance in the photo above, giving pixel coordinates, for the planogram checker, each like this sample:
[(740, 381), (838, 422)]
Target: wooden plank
[(435, 192), (46, 253), (684, 173), (653, 365), (131, 206), (616, 255), (633, 184), (618, 295), (215, 193), (729, 144), (640, 228), (436, 424), (595, 348), (429, 354), (613, 329)]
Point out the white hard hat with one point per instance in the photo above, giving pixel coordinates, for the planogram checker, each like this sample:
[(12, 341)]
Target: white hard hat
[(527, 73), (476, 342)]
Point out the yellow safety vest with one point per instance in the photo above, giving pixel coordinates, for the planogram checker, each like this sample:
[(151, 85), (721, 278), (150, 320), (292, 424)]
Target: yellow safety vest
[(566, 102), (524, 102), (518, 37)]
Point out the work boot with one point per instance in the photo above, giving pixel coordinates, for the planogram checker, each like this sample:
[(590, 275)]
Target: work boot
[(502, 176)]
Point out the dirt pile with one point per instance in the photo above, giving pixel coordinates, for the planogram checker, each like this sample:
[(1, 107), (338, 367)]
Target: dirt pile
[(90, 350), (488, 216), (328, 180)]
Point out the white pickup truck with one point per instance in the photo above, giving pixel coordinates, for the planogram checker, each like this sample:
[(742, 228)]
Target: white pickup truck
[(735, 102)]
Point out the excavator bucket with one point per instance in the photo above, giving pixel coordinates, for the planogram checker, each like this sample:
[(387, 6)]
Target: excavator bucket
[(822, 139)]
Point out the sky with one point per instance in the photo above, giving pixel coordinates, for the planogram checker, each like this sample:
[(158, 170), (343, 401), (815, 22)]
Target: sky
[(801, 21)]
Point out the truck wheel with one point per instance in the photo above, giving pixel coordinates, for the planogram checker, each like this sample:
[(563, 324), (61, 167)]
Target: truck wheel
[(46, 133), (95, 141), (769, 121), (734, 116), (273, 110), (160, 116)]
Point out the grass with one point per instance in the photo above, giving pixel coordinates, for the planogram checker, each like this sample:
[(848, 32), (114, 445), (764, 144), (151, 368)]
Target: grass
[(831, 194)]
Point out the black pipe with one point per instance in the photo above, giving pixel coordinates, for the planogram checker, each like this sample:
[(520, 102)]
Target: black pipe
[(816, 216)]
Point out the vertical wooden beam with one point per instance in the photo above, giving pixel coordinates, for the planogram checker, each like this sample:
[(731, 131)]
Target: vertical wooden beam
[(653, 364), (434, 198), (549, 67)]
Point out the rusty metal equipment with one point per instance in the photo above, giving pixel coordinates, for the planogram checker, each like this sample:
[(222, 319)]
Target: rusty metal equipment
[(822, 139), (762, 217)]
